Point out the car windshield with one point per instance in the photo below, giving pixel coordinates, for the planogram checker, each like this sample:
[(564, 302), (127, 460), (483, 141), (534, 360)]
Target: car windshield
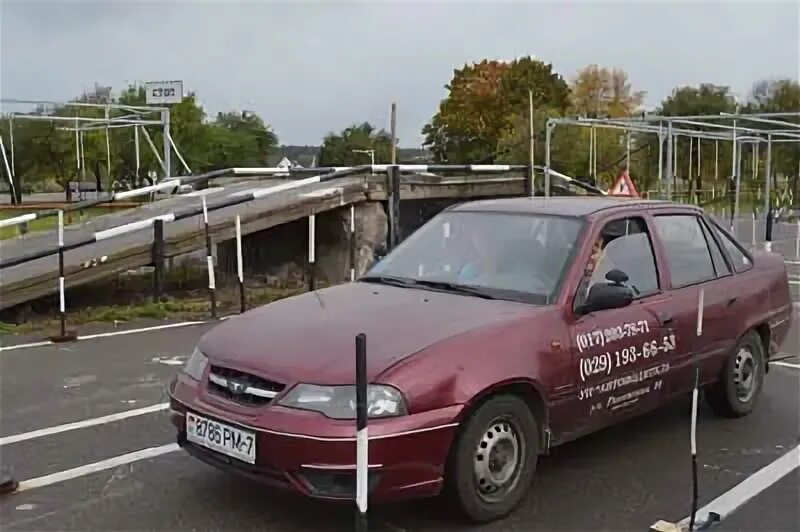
[(485, 254)]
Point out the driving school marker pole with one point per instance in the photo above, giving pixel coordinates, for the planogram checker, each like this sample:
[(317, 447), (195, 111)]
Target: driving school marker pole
[(352, 242), (312, 248), (212, 285), (240, 264), (693, 434), (63, 336), (362, 438)]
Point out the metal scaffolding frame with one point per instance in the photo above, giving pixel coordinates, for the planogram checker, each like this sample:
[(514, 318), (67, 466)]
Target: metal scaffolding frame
[(783, 128), (134, 116)]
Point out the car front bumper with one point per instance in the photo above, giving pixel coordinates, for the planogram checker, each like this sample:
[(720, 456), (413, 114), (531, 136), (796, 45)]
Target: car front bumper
[(315, 456)]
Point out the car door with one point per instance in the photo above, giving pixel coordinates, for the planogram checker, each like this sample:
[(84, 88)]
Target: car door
[(620, 356), (695, 263)]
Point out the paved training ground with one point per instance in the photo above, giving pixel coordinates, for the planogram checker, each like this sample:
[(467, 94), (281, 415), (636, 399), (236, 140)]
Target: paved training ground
[(623, 478)]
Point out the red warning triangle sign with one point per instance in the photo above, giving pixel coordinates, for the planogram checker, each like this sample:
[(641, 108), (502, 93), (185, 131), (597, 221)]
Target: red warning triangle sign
[(623, 186)]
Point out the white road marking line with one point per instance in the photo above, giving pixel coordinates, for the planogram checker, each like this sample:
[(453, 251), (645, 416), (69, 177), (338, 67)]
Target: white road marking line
[(115, 333), (143, 329), (88, 469), (82, 424), (785, 364), (728, 502), (25, 346)]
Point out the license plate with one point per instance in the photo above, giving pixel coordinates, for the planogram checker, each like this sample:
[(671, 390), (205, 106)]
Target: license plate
[(237, 443)]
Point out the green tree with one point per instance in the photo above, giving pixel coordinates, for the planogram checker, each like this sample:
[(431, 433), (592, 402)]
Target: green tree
[(482, 118), (337, 148)]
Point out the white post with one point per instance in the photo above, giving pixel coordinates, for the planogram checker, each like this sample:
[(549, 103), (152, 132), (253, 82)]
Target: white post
[(239, 262), (311, 236), (136, 148), (797, 241), (312, 270), (352, 244), (108, 151), (753, 240), (11, 140), (212, 285)]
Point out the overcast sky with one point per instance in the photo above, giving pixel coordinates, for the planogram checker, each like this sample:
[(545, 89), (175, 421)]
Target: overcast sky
[(311, 67)]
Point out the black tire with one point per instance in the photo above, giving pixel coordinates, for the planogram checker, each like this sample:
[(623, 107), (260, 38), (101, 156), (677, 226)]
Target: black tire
[(726, 397), (498, 416)]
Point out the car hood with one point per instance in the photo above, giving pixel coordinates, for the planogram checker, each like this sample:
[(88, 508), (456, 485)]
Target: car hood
[(311, 337)]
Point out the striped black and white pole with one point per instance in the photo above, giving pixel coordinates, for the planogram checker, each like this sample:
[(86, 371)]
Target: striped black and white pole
[(240, 264), (62, 299), (312, 248), (362, 435), (212, 285), (695, 393), (236, 198), (768, 230), (352, 242)]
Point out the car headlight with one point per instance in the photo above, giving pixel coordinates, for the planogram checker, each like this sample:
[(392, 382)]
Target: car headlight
[(339, 402), (196, 365)]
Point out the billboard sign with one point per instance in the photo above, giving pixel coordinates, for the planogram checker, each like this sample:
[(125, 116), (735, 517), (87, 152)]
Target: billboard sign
[(163, 92)]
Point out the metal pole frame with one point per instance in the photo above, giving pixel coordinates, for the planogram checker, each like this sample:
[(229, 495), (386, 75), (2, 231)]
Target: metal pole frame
[(167, 151), (548, 134), (670, 170), (11, 140)]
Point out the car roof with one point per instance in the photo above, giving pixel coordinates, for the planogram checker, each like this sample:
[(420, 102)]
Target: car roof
[(576, 206)]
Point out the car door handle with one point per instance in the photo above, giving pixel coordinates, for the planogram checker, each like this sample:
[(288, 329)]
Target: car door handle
[(732, 300), (664, 318)]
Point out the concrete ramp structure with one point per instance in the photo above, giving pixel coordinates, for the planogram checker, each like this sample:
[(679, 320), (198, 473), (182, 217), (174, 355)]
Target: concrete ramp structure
[(262, 198)]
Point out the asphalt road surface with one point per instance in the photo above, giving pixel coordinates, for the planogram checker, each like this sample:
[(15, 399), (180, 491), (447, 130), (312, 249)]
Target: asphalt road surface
[(623, 478)]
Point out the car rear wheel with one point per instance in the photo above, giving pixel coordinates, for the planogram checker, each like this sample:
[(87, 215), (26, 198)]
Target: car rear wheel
[(739, 387), (493, 460)]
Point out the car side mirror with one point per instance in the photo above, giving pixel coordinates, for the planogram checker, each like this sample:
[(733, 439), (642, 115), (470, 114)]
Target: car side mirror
[(607, 296)]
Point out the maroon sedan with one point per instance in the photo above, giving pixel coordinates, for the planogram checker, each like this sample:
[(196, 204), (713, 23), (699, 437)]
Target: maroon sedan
[(496, 331)]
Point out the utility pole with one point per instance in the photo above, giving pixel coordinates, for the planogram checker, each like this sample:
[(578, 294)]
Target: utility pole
[(394, 133)]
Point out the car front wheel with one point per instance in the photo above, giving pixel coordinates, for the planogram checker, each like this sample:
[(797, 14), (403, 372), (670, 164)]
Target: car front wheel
[(739, 387), (491, 466)]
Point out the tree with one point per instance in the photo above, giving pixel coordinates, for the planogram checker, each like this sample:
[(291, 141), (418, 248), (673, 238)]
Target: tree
[(337, 148), (599, 92), (479, 121)]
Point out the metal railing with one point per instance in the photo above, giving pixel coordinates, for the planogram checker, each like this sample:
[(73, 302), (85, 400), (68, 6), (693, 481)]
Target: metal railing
[(325, 174)]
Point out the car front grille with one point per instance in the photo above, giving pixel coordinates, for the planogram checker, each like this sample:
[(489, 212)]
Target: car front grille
[(243, 388)]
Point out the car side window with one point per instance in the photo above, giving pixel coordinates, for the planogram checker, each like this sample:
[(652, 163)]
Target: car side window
[(741, 262), (720, 266), (688, 255), (622, 245)]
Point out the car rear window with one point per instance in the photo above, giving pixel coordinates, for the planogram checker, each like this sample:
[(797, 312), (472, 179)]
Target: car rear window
[(688, 256)]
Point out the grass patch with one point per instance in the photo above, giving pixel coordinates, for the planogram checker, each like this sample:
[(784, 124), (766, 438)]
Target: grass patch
[(193, 308)]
